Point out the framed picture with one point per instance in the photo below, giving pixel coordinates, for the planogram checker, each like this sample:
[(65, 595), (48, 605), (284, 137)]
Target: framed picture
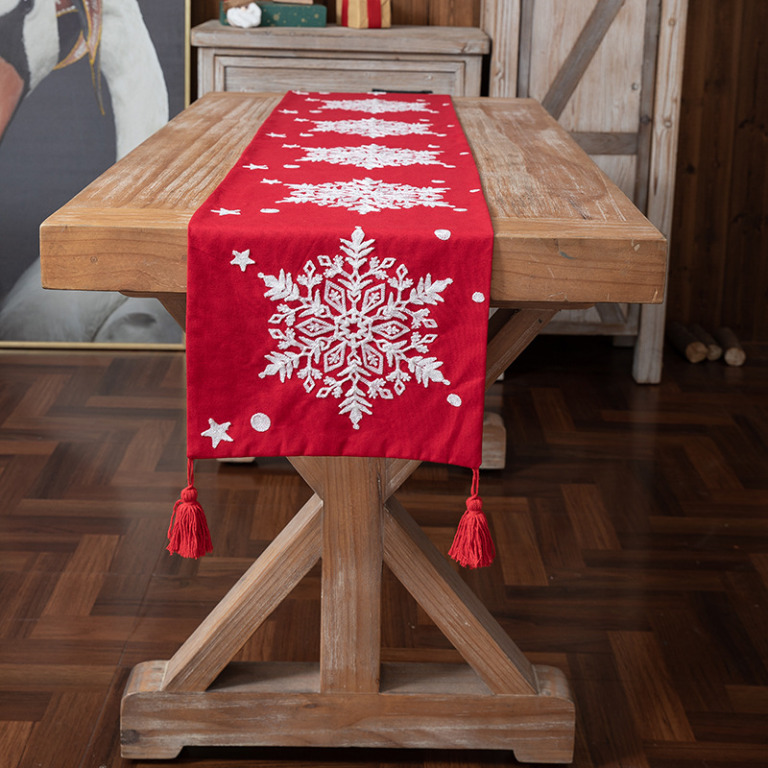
[(82, 82)]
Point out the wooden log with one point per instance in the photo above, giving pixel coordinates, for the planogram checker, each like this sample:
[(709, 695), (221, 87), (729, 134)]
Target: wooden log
[(686, 343), (733, 352), (714, 350)]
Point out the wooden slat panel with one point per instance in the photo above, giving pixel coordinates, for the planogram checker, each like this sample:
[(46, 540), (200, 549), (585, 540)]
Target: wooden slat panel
[(575, 65), (501, 18)]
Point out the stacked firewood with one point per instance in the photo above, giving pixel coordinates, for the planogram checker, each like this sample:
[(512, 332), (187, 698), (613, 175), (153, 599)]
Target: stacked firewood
[(696, 344)]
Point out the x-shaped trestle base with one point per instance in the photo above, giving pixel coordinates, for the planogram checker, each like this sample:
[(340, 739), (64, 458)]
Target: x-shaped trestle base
[(498, 700)]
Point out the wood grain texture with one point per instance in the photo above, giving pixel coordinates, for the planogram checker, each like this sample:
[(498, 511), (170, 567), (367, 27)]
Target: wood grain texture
[(643, 508), (248, 604), (350, 639), (564, 231)]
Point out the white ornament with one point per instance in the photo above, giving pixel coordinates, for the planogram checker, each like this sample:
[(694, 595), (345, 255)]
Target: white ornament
[(376, 106), (217, 432), (373, 128), (242, 259), (371, 156), (244, 16), (261, 422), (478, 297), (354, 326), (443, 234), (366, 195), (454, 400)]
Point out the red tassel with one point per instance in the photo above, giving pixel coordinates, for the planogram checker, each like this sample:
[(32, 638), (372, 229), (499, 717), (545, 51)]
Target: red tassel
[(188, 533), (473, 546)]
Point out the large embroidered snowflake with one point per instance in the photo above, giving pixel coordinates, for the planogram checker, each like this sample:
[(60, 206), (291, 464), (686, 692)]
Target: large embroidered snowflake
[(376, 106), (371, 156), (373, 128), (366, 195), (355, 327)]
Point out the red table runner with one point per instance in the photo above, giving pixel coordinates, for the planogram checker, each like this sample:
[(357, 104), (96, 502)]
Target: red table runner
[(338, 286)]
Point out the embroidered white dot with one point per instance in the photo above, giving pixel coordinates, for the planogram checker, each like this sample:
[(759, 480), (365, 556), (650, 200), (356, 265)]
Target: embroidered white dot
[(261, 422)]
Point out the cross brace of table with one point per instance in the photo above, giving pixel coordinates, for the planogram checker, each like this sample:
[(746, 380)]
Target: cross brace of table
[(354, 523)]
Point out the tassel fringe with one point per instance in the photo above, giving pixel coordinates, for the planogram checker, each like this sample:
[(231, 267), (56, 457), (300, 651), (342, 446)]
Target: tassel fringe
[(188, 533), (473, 546)]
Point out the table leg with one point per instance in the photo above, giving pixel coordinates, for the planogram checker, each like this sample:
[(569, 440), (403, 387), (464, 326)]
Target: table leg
[(498, 700)]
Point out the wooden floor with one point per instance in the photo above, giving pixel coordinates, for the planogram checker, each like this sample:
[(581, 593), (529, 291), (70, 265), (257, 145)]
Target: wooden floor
[(631, 524)]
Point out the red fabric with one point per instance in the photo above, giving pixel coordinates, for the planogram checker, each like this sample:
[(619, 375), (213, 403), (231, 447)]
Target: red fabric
[(337, 279), (374, 14)]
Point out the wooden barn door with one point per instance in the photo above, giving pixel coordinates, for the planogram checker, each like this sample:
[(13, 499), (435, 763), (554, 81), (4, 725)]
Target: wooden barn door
[(610, 72)]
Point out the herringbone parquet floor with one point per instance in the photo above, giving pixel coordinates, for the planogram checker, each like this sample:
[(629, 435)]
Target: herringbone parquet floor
[(631, 524)]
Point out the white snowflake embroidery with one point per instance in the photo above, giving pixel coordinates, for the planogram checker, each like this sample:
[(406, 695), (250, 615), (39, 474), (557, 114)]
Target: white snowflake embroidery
[(367, 195), (371, 156), (377, 106), (355, 326), (373, 127)]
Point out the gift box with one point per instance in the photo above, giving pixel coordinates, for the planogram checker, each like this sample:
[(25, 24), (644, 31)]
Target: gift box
[(364, 14), (286, 14)]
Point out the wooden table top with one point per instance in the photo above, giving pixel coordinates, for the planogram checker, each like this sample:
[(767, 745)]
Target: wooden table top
[(564, 233)]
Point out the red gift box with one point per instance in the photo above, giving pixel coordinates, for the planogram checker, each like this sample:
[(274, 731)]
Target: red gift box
[(364, 14)]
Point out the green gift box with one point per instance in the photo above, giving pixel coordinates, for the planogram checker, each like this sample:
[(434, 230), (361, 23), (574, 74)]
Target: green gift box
[(287, 15)]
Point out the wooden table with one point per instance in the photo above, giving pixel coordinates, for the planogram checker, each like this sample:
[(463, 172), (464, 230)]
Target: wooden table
[(565, 236)]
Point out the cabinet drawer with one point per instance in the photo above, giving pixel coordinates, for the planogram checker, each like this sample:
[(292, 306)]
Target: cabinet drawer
[(265, 73)]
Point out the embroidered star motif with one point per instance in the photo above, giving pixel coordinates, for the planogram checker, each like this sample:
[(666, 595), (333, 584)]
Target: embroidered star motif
[(217, 432), (254, 167), (242, 259), (226, 211)]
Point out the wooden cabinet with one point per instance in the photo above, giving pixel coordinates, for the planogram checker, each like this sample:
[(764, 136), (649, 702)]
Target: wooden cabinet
[(407, 58)]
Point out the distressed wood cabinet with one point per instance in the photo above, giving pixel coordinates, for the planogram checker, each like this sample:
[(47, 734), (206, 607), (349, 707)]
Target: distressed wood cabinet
[(274, 59)]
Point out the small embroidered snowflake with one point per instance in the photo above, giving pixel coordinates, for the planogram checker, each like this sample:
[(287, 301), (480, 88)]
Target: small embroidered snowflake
[(357, 327), (377, 106), (371, 156), (373, 127), (367, 195)]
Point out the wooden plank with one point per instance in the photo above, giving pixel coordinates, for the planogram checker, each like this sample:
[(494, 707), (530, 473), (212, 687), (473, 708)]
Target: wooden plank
[(647, 88), (243, 609), (459, 13), (576, 63), (526, 49), (454, 608), (646, 366), (419, 40), (559, 222), (537, 728), (500, 19), (350, 639), (411, 12), (604, 143)]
